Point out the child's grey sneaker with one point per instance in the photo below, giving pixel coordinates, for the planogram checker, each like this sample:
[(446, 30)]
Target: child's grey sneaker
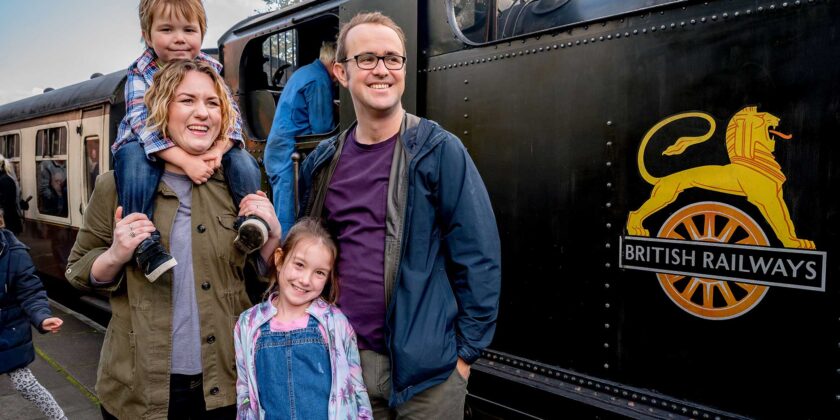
[(154, 261), (253, 234)]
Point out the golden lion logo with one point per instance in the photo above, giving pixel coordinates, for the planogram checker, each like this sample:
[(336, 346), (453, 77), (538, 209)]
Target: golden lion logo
[(752, 172)]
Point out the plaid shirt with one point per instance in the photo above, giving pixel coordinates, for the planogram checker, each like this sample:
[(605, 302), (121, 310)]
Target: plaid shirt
[(133, 124)]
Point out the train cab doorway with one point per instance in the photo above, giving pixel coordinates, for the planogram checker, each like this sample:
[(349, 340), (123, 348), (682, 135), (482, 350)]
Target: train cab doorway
[(269, 61)]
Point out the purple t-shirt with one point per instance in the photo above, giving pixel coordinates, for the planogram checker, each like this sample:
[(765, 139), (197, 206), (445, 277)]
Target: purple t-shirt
[(355, 211)]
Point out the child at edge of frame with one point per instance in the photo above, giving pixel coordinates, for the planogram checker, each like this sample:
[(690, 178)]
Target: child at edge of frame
[(174, 30), (297, 338), (24, 302)]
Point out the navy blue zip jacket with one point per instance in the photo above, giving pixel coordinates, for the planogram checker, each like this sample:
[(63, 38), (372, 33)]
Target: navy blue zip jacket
[(442, 253), (22, 300)]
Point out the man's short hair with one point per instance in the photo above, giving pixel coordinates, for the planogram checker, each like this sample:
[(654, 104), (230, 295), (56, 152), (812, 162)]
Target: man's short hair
[(327, 54), (188, 9), (362, 18)]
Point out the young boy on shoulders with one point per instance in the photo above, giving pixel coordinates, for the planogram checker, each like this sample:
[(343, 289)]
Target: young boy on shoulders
[(174, 30)]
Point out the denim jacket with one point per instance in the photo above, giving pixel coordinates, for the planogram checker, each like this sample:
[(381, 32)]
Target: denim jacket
[(348, 395)]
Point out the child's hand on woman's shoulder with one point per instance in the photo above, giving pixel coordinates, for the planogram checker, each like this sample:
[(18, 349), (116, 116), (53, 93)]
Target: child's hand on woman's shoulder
[(52, 325)]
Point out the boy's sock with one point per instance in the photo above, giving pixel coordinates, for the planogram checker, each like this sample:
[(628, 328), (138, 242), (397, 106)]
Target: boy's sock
[(153, 259), (253, 234)]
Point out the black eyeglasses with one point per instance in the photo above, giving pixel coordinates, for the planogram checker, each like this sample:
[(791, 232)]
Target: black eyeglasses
[(368, 61)]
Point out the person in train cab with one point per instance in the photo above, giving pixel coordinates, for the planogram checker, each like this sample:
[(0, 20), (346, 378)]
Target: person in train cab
[(23, 301), (169, 351), (174, 29), (305, 107), (10, 196), (419, 252)]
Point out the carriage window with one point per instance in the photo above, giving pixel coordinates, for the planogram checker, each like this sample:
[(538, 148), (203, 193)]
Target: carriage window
[(481, 21), (10, 149), (91, 163), (280, 55), (51, 161)]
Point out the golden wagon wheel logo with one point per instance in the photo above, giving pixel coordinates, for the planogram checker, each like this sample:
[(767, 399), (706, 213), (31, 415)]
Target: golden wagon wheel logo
[(709, 298)]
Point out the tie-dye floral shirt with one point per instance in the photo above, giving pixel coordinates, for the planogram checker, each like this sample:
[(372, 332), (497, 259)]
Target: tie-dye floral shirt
[(348, 395)]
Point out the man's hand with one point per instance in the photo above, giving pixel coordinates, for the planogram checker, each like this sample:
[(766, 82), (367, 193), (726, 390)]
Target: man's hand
[(463, 368)]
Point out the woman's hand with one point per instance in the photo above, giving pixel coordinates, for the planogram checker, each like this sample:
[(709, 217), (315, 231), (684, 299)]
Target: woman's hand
[(52, 325), (128, 233), (259, 205)]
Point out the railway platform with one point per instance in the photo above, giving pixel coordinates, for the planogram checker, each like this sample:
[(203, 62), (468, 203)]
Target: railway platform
[(66, 365)]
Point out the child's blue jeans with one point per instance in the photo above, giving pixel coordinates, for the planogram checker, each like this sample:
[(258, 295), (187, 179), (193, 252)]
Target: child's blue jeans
[(138, 177)]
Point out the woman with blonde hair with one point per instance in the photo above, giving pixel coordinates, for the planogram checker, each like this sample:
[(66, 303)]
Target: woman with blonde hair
[(169, 347)]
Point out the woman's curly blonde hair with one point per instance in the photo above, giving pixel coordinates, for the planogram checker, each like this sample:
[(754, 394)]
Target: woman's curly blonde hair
[(162, 92)]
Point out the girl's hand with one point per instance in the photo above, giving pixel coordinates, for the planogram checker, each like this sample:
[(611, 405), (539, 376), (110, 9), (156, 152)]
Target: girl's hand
[(198, 170), (128, 233), (52, 325), (259, 205)]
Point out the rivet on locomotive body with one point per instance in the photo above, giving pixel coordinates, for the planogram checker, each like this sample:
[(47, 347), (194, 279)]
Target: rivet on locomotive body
[(533, 50), (606, 365), (592, 39), (466, 98), (653, 28), (736, 14), (607, 285), (466, 115), (609, 164), (714, 17), (606, 306), (466, 132), (607, 265), (760, 9), (578, 42), (772, 6), (725, 15), (609, 225), (601, 38), (466, 82), (663, 27), (540, 49), (682, 23), (608, 205), (555, 46), (673, 25), (749, 11), (693, 21), (584, 41), (569, 44)]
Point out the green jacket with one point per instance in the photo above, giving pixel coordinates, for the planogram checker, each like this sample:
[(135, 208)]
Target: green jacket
[(133, 376)]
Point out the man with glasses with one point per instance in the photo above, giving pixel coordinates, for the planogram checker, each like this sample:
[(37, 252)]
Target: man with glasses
[(419, 255)]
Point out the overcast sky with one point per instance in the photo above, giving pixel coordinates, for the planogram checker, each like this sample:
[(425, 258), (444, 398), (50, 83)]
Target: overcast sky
[(55, 43)]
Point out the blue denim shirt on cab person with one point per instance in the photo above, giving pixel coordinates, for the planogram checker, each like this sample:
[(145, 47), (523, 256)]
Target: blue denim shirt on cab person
[(305, 107)]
